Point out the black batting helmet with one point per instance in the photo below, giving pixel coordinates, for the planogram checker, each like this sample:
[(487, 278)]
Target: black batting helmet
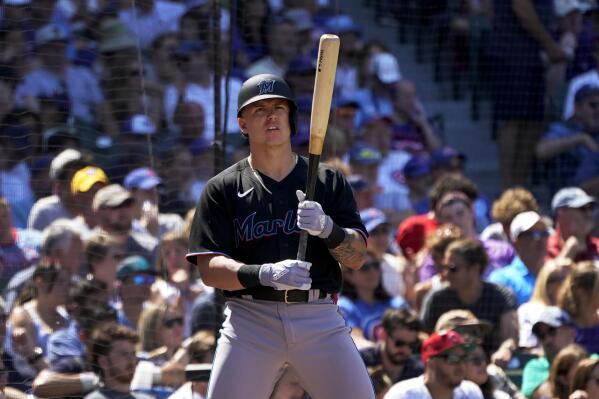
[(262, 87)]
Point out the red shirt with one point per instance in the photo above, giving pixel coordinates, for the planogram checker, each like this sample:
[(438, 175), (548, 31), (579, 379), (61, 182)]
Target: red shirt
[(555, 245), (412, 233)]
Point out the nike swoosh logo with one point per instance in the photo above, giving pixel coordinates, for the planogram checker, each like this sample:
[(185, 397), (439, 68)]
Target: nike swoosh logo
[(241, 195)]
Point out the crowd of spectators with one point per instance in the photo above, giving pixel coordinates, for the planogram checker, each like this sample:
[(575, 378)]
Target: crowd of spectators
[(106, 141)]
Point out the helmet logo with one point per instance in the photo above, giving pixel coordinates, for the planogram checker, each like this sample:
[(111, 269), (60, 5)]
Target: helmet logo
[(266, 86)]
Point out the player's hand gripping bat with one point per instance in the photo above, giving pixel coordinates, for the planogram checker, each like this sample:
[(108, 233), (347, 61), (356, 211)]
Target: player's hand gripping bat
[(326, 66)]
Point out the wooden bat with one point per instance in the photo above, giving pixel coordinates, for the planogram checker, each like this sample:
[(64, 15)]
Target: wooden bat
[(326, 66)]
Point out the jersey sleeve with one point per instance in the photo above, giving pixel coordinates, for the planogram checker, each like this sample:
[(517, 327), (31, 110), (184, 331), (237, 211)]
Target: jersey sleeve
[(211, 231)]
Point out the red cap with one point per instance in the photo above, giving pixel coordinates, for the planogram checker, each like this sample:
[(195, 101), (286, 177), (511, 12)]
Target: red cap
[(440, 342)]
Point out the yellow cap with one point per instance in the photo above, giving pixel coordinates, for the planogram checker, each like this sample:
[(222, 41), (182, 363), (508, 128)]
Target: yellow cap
[(84, 179)]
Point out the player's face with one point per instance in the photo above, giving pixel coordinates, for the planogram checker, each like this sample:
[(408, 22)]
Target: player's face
[(399, 345), (266, 121), (449, 368)]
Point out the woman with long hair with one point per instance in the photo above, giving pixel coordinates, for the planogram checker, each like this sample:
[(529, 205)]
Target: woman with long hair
[(39, 312), (561, 373), (177, 282), (585, 381), (477, 364), (363, 299), (545, 293), (579, 297), (160, 329)]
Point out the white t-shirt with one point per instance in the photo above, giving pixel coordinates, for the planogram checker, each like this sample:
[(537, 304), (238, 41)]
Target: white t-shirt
[(395, 194), (414, 388)]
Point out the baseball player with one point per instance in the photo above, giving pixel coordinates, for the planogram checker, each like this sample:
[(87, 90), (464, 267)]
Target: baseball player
[(244, 239)]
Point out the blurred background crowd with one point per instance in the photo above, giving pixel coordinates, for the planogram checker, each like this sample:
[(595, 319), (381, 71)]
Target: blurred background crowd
[(114, 114)]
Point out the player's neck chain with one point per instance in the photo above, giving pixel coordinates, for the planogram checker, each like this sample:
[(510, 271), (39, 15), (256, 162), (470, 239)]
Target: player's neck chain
[(257, 175)]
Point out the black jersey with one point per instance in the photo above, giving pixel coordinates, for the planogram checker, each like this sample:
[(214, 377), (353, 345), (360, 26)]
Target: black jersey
[(238, 218)]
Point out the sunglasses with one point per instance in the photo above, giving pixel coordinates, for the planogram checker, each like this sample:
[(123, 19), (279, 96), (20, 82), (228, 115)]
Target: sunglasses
[(414, 345), (478, 360), (550, 332), (535, 234), (452, 358), (170, 323), (143, 279), (451, 268)]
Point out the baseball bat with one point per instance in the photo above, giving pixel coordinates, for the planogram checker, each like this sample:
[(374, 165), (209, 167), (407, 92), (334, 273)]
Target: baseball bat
[(324, 81)]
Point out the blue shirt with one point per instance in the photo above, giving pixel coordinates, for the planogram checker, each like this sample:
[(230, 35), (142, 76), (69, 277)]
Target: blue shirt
[(517, 278), (65, 348), (366, 316)]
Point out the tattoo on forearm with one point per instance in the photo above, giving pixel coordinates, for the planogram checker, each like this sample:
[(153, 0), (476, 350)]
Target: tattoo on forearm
[(349, 251)]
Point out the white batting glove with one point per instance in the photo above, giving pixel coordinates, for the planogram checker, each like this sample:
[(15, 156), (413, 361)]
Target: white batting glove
[(311, 217), (288, 274)]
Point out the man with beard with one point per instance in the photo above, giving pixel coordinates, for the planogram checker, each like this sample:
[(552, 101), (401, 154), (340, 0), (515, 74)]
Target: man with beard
[(112, 357), (114, 206), (398, 343), (444, 356)]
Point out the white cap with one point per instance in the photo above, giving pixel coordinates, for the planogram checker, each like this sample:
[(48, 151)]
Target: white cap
[(61, 160), (385, 67), (523, 222)]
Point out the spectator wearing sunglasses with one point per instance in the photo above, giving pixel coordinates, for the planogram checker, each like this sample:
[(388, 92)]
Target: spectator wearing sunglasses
[(135, 277), (555, 330), (444, 356), (574, 222), (398, 344), (491, 379), (529, 234), (160, 330), (363, 300), (464, 262)]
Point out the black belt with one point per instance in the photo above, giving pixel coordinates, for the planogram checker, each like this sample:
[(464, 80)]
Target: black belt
[(287, 296)]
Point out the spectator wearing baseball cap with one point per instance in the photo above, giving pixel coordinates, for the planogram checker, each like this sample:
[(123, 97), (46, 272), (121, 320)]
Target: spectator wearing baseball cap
[(555, 330), (58, 205), (394, 267), (144, 185), (114, 207), (491, 379), (84, 185), (135, 276), (418, 177), (444, 356), (529, 233), (572, 240)]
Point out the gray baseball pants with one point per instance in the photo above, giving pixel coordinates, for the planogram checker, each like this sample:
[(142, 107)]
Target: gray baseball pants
[(258, 337)]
